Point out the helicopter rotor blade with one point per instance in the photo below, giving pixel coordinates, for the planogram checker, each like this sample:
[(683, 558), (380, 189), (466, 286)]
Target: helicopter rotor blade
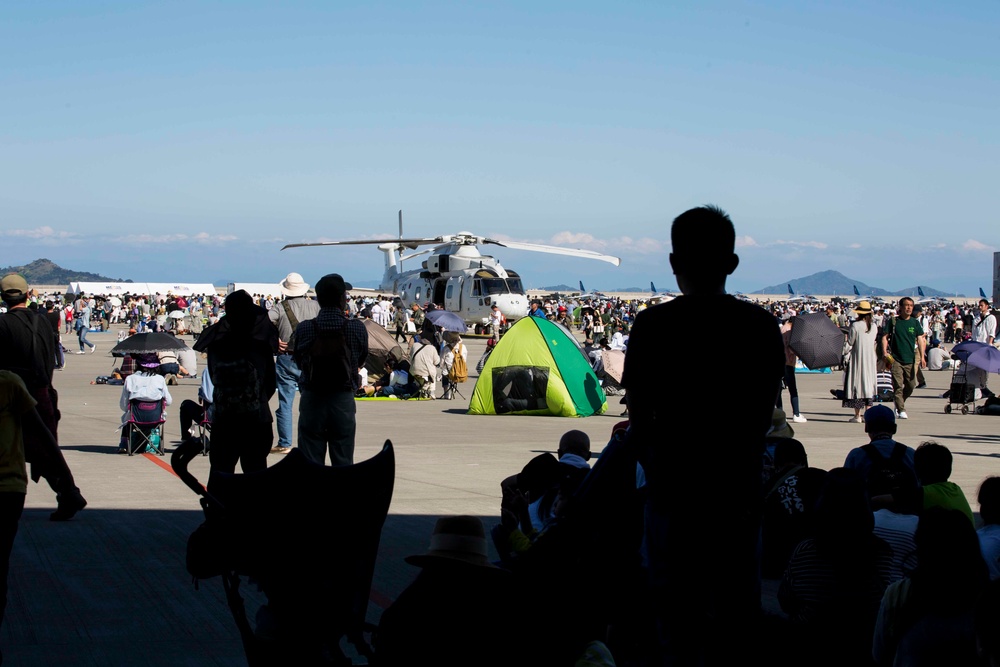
[(556, 250), (408, 243)]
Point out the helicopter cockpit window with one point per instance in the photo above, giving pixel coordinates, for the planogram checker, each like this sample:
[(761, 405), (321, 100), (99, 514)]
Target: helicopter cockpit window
[(477, 288), (515, 285), (495, 286), (519, 388)]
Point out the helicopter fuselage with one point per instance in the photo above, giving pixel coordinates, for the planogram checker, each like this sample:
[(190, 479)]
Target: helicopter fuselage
[(460, 279)]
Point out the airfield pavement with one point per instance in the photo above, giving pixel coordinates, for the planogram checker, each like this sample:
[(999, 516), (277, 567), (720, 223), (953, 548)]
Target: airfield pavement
[(110, 586)]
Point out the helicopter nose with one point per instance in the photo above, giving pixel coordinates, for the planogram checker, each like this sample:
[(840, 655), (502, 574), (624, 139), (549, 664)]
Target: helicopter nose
[(513, 306)]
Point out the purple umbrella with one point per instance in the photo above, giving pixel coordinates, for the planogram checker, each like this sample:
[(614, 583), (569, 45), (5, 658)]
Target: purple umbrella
[(987, 358)]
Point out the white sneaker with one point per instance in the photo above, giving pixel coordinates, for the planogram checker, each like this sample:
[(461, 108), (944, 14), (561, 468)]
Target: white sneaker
[(901, 415), (81, 352), (855, 420), (93, 348), (799, 419)]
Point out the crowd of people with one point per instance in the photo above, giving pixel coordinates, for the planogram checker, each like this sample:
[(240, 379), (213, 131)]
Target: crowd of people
[(879, 560)]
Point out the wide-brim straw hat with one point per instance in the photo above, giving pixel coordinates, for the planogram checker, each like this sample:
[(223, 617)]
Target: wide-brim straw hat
[(780, 428), (293, 285), (863, 308), (456, 539)]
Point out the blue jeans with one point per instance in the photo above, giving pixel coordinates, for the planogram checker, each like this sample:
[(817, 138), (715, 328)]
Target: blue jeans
[(81, 333), (287, 373), (328, 418)]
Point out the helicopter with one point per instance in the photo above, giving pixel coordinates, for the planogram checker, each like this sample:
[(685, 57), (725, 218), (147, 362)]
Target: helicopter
[(456, 275)]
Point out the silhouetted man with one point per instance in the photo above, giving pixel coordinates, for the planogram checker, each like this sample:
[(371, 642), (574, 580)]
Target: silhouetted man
[(28, 350), (703, 472)]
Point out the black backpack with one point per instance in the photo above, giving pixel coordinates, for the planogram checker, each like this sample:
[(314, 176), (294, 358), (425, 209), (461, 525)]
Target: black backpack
[(888, 475), (237, 389)]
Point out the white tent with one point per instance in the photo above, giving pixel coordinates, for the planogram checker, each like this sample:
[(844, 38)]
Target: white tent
[(107, 289), (180, 289)]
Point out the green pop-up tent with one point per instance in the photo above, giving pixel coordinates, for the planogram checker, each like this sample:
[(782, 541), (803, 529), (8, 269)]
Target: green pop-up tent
[(538, 368)]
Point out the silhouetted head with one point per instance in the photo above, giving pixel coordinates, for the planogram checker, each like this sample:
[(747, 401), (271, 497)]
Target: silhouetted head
[(989, 500), (703, 241), (575, 442), (932, 463), (880, 422), (240, 309), (789, 451), (331, 291)]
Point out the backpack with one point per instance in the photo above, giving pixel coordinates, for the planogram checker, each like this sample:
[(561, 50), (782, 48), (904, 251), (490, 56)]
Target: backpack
[(459, 369), (888, 475), (237, 389)]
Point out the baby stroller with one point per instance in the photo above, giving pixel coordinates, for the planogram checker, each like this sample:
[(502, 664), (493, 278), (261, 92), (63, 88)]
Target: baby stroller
[(329, 523), (964, 378)]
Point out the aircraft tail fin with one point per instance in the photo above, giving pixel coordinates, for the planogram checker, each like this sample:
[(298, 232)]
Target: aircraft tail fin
[(982, 293), (583, 290), (790, 290), (920, 290), (652, 287), (856, 292)]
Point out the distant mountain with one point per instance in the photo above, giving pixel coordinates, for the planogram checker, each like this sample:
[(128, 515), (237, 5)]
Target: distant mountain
[(47, 272), (834, 282), (560, 288)]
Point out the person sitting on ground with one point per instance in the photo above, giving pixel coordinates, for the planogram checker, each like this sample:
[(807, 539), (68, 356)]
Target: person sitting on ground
[(424, 362), (127, 368), (146, 384), (516, 524), (835, 580), (170, 365), (927, 618), (789, 498), (938, 358), (398, 381), (461, 609), (897, 508), (882, 450), (932, 463), (989, 534)]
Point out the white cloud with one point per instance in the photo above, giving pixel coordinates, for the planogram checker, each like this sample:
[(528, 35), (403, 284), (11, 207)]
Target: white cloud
[(746, 242), (939, 246), (804, 244), (973, 245), (44, 235), (201, 238), (854, 246)]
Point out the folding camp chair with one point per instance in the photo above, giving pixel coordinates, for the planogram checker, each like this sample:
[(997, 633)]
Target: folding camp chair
[(204, 425), (324, 598), (144, 427)]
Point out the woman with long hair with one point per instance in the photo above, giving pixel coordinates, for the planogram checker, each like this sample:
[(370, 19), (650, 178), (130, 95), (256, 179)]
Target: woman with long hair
[(862, 362)]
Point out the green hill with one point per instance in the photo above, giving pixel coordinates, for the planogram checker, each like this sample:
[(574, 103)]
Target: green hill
[(47, 272)]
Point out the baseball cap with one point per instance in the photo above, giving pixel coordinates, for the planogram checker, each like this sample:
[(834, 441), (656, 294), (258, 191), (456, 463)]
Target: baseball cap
[(879, 415), (13, 284)]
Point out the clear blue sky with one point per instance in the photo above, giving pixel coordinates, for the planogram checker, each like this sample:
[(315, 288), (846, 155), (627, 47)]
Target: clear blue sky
[(190, 141)]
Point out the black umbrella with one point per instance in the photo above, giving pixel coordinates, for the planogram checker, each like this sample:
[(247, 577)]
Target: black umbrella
[(816, 340), (143, 343)]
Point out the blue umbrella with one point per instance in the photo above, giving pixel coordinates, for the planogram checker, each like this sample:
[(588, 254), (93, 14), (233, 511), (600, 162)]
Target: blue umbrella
[(963, 350), (987, 358), (447, 320)]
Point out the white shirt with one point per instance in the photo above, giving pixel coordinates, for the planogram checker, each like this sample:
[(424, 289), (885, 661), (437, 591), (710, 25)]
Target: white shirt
[(985, 328), (142, 387)]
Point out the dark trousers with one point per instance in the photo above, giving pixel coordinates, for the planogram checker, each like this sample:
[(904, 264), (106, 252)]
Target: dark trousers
[(47, 461), (247, 441), (190, 412), (11, 505)]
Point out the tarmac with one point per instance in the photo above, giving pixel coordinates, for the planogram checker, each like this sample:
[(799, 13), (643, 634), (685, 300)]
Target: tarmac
[(110, 586)]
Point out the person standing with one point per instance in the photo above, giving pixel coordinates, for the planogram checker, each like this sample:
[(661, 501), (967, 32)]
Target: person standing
[(908, 341), (789, 377), (714, 572), (984, 327), (26, 341), (496, 319), (240, 350), (83, 315), (293, 309), (329, 349), (55, 318), (859, 380)]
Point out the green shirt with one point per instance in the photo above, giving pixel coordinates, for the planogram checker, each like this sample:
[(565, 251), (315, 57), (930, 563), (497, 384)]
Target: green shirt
[(904, 339)]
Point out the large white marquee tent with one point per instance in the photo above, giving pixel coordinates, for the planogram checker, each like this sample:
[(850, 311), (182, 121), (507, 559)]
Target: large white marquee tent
[(108, 289)]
